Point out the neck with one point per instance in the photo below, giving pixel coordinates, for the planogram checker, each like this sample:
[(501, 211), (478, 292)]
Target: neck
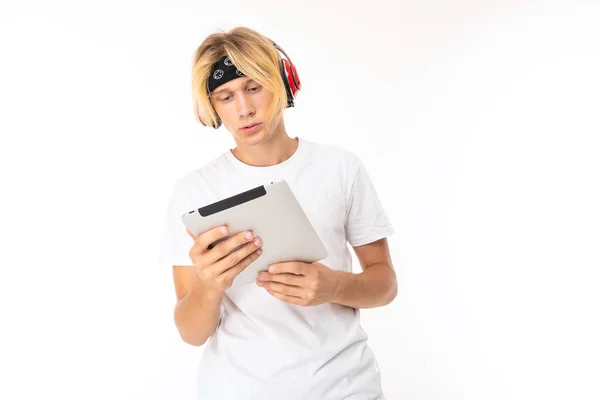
[(275, 149)]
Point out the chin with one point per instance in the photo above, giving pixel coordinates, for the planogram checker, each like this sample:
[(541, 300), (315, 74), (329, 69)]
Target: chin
[(254, 138)]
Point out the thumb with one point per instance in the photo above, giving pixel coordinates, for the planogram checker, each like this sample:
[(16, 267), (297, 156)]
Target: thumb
[(190, 233)]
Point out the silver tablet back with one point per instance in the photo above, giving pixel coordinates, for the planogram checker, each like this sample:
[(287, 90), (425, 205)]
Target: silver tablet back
[(274, 215)]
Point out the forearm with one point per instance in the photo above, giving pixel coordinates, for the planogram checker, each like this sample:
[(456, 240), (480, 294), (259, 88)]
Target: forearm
[(374, 287), (197, 314)]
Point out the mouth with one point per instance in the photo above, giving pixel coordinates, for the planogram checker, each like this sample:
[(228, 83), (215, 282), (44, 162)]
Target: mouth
[(251, 128)]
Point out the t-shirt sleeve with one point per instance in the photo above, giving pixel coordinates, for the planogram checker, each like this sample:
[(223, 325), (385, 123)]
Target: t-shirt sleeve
[(175, 243), (366, 220)]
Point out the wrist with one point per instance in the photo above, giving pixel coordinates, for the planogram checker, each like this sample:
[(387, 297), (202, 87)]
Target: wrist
[(200, 288), (341, 280)]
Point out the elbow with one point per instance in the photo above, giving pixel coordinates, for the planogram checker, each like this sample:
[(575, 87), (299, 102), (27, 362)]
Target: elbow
[(193, 342), (393, 292), (389, 298), (193, 337)]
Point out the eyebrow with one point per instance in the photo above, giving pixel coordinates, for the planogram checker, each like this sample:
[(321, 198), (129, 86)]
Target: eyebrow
[(248, 80)]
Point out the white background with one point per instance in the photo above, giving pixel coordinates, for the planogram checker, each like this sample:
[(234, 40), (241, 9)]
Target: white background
[(477, 120)]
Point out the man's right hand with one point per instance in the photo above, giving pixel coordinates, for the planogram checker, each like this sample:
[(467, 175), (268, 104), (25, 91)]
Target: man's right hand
[(216, 267)]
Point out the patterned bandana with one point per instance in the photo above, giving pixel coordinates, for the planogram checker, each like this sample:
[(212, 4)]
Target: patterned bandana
[(223, 71)]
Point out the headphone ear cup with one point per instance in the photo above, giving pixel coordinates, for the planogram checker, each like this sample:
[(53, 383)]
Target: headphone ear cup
[(289, 75), (295, 77), (290, 78), (286, 82)]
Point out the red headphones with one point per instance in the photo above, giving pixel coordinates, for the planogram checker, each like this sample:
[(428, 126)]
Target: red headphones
[(290, 77)]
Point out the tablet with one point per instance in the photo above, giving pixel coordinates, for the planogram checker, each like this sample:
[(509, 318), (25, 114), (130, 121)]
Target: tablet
[(274, 215)]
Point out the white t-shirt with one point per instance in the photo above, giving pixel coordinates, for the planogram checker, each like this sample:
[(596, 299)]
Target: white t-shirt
[(263, 347)]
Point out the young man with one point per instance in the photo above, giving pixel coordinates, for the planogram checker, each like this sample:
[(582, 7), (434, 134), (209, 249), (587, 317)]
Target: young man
[(295, 333)]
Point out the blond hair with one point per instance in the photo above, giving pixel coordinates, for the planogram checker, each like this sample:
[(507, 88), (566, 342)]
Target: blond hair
[(253, 54)]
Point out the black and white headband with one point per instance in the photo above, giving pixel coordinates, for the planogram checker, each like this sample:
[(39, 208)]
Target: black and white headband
[(222, 72)]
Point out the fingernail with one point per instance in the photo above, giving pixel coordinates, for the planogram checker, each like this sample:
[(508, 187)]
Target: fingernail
[(223, 230), (257, 242), (249, 235), (259, 252)]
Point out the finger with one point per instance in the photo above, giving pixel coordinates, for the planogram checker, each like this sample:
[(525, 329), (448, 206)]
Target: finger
[(190, 233), (206, 238), (282, 288), (288, 299), (288, 279), (237, 256), (297, 268), (227, 246), (234, 271)]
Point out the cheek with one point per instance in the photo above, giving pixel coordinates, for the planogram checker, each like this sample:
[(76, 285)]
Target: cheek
[(266, 98), (225, 116)]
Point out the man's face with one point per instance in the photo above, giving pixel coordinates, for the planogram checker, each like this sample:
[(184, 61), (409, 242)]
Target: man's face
[(242, 102)]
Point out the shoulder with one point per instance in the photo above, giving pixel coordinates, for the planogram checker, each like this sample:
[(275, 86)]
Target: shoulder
[(197, 186), (335, 154), (205, 174), (337, 167)]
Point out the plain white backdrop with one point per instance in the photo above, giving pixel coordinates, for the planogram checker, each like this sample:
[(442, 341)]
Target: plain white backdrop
[(477, 120)]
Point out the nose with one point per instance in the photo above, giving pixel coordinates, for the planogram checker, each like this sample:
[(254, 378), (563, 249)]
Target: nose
[(245, 106)]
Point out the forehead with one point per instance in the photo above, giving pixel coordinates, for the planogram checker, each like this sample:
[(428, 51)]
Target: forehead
[(232, 84)]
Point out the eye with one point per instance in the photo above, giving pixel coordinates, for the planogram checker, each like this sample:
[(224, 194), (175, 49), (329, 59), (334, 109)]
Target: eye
[(252, 89)]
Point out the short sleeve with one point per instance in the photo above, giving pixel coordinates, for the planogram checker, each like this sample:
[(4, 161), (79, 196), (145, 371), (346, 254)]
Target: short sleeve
[(175, 243), (366, 220)]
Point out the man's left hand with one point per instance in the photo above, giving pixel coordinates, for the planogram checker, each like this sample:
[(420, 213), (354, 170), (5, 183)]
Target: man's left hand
[(300, 283)]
